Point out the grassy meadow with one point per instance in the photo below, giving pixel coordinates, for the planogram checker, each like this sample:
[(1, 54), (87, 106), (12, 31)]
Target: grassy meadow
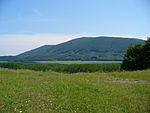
[(65, 68), (28, 91)]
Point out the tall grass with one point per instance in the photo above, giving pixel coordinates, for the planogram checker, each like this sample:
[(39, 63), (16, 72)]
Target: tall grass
[(28, 91), (66, 68), (74, 68)]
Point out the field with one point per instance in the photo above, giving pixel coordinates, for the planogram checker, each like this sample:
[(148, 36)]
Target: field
[(27, 91), (79, 62), (65, 68)]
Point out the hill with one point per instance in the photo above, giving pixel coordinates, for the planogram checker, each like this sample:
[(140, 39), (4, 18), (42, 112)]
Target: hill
[(85, 48)]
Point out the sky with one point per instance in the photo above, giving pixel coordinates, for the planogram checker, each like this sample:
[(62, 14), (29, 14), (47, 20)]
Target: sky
[(28, 24)]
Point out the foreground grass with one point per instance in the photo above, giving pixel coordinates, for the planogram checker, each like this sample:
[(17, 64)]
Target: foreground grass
[(42, 92)]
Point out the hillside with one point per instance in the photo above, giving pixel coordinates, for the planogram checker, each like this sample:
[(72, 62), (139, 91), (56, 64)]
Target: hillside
[(85, 48)]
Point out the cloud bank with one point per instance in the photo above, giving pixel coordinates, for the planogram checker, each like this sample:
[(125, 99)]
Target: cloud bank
[(16, 44)]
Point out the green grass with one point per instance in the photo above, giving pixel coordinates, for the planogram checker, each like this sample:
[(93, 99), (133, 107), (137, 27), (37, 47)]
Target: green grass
[(65, 68), (76, 68), (3, 61), (51, 92), (78, 62)]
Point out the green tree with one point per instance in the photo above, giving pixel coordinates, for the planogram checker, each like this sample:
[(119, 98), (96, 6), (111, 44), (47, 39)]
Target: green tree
[(137, 57), (146, 54), (133, 58)]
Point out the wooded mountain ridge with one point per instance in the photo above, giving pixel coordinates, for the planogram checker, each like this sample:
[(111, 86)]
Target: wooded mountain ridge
[(84, 49)]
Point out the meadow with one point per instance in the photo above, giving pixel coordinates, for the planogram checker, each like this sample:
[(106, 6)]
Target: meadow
[(65, 68), (28, 91)]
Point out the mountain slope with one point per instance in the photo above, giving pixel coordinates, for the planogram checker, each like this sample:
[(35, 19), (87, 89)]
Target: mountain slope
[(86, 48)]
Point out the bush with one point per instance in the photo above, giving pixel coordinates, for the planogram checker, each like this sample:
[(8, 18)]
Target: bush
[(137, 57)]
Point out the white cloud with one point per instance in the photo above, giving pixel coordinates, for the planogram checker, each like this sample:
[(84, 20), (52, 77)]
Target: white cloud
[(14, 44), (129, 36)]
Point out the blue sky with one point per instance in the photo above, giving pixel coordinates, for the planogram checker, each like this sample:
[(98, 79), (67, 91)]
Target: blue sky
[(26, 24)]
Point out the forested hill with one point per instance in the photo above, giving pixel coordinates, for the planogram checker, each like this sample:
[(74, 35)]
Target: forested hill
[(85, 48)]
